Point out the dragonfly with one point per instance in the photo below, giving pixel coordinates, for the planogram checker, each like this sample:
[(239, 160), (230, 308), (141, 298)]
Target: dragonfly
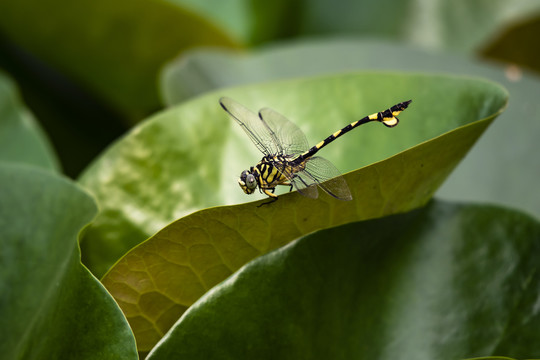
[(288, 159)]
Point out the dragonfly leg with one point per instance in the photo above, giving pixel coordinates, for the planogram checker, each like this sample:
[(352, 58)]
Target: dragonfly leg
[(270, 193), (273, 197)]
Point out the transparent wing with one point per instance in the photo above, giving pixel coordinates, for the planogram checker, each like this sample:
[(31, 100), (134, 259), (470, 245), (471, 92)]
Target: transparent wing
[(310, 191), (291, 139), (255, 128), (305, 184), (322, 172), (301, 181)]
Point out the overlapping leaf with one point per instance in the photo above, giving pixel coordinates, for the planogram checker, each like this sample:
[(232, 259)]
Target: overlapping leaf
[(448, 281), (157, 281), (51, 307)]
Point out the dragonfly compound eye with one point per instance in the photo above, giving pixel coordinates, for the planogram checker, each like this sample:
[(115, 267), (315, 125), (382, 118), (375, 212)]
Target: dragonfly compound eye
[(247, 182)]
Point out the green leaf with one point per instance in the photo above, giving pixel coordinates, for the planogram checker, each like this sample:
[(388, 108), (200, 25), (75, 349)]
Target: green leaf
[(499, 169), (77, 122), (113, 48), (250, 21), (188, 158), (513, 45), (158, 280), (448, 281), (492, 358), (459, 25), (51, 307), (21, 138)]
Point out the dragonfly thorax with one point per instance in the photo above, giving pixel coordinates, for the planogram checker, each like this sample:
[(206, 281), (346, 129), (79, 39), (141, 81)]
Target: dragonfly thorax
[(247, 181), (267, 174)]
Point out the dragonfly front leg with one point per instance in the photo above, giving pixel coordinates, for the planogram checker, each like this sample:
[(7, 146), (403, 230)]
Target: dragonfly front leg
[(272, 196)]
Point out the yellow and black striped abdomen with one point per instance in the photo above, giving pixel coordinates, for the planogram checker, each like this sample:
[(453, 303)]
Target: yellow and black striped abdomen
[(387, 117)]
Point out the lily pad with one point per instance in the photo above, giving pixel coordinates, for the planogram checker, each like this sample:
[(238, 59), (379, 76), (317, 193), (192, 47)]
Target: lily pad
[(21, 138), (158, 280), (448, 281), (50, 305)]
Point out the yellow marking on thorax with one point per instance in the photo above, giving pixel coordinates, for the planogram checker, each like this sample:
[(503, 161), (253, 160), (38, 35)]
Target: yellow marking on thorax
[(265, 171), (271, 176)]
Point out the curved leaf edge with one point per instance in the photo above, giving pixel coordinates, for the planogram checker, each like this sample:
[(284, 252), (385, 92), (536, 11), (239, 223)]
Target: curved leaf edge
[(266, 259), (89, 283)]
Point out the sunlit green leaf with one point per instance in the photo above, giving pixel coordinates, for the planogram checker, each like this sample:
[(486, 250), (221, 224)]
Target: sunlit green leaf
[(447, 281), (51, 307), (158, 280), (499, 169), (21, 138)]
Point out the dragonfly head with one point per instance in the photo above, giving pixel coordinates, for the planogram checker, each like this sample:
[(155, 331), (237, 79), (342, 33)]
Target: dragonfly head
[(247, 182)]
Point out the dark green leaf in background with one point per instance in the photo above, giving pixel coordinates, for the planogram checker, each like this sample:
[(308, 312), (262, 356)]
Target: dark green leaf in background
[(79, 123), (51, 307), (88, 69), (447, 281), (500, 169), (491, 358), (21, 138), (189, 158), (459, 25), (513, 45), (115, 49), (251, 21)]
